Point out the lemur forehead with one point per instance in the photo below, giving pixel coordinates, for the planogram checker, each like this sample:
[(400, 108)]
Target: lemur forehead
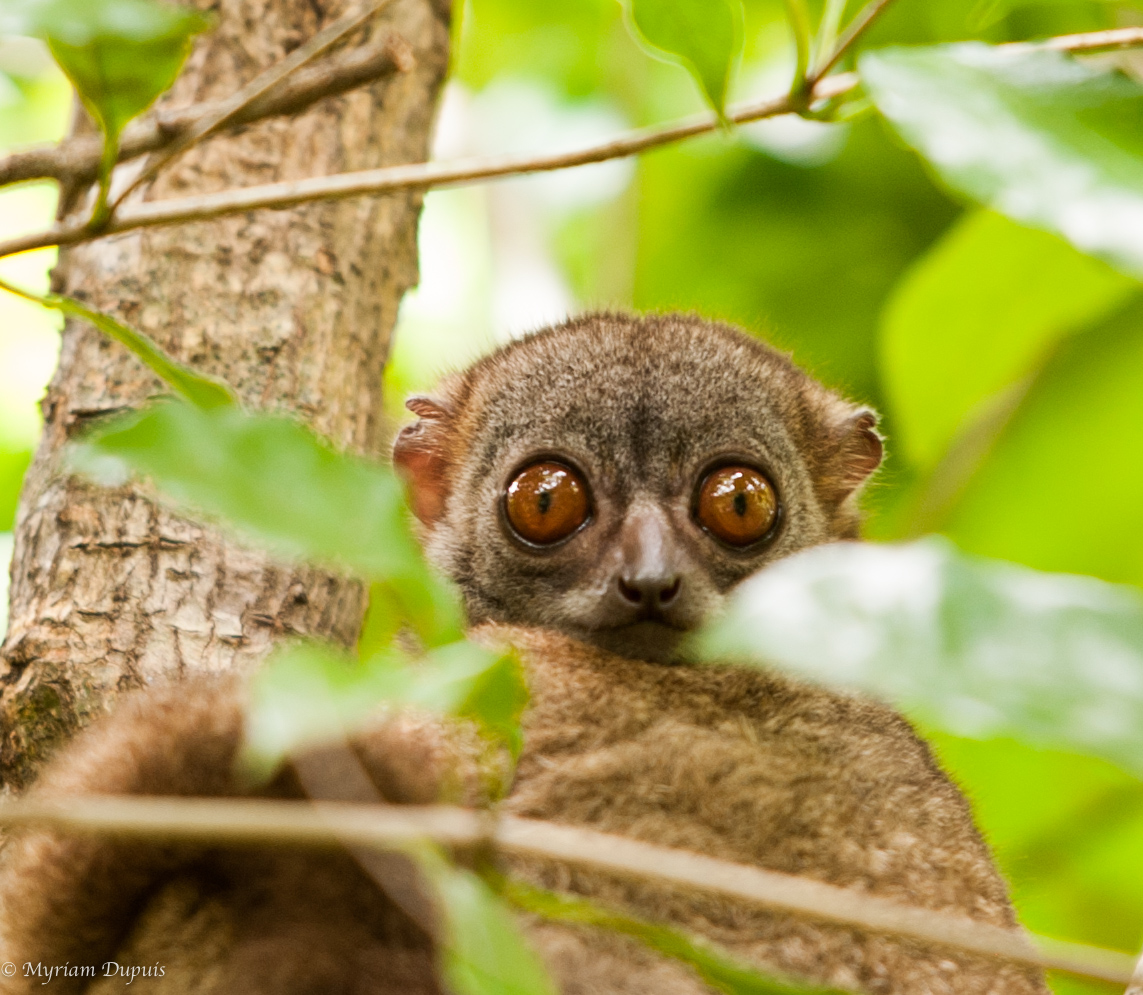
[(668, 384)]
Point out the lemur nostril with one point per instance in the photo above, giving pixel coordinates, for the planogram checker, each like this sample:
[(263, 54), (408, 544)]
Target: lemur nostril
[(632, 594), (655, 593)]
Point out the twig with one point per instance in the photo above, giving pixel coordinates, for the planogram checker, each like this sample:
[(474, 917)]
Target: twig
[(252, 91), (1136, 985), (415, 176), (422, 176), (857, 27), (1093, 41), (259, 821), (76, 160)]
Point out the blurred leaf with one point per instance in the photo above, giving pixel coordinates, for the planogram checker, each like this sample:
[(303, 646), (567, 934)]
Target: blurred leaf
[(311, 692), (119, 54), (1048, 141), (703, 36), (431, 607), (979, 647), (199, 389), (83, 22), (803, 257), (1057, 823), (12, 469), (1062, 487), (988, 12), (719, 970), (120, 77), (484, 951), (976, 313), (271, 478), (383, 620)]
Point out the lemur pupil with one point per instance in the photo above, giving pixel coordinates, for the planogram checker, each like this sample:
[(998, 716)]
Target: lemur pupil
[(740, 504), (545, 501)]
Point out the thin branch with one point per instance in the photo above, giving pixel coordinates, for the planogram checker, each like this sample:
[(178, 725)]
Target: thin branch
[(259, 821), (252, 91), (415, 176), (1136, 985), (857, 27), (423, 176), (1093, 41), (76, 160)]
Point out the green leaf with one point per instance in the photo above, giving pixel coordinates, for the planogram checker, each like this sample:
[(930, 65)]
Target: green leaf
[(13, 466), (717, 969), (987, 12), (429, 605), (311, 692), (1062, 486), (979, 311), (272, 479), (1048, 141), (119, 54), (199, 389), (703, 36), (78, 22), (484, 952), (202, 391), (979, 647)]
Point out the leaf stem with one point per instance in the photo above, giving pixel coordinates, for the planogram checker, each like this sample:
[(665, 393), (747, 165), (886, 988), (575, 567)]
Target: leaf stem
[(800, 25), (101, 213), (827, 33)]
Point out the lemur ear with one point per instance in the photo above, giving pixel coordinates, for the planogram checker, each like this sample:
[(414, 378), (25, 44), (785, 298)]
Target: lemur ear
[(420, 455), (856, 452)]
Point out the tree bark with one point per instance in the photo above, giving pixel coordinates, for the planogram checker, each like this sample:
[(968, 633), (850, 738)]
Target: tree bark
[(293, 308)]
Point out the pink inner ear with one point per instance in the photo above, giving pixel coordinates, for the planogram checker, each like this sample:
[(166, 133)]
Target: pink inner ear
[(864, 450), (857, 454), (419, 455)]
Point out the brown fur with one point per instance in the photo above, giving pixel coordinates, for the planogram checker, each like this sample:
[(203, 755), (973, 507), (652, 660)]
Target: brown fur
[(736, 763)]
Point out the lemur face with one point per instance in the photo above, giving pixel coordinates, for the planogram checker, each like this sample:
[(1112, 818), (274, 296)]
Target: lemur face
[(614, 478)]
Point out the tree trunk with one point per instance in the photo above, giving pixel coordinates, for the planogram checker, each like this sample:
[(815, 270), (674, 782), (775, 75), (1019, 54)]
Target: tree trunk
[(293, 308)]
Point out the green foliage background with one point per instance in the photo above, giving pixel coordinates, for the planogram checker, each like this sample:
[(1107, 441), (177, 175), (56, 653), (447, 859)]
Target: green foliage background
[(971, 334)]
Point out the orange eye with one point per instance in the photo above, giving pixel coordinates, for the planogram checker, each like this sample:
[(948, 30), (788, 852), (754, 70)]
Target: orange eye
[(737, 505), (546, 502)]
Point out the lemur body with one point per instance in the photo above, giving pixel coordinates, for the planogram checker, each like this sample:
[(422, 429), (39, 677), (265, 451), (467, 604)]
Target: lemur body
[(606, 484)]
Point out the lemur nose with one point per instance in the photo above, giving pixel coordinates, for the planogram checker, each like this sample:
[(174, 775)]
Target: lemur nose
[(653, 592)]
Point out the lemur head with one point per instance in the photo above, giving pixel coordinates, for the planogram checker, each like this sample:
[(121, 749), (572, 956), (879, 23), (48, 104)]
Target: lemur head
[(614, 477)]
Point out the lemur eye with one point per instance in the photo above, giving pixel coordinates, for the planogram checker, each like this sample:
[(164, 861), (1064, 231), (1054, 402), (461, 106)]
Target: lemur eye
[(546, 502), (737, 505)]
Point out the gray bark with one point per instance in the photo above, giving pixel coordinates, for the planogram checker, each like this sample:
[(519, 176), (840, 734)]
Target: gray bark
[(293, 308)]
